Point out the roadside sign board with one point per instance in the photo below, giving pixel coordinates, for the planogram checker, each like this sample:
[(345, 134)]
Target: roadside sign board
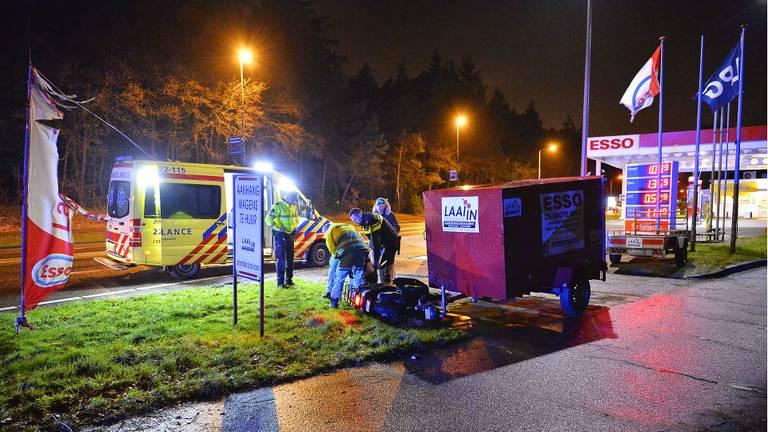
[(236, 145), (248, 227), (453, 175), (646, 188)]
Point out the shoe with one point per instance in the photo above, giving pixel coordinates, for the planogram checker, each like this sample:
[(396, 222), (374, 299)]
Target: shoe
[(290, 284), (280, 285), (334, 303), (327, 295)]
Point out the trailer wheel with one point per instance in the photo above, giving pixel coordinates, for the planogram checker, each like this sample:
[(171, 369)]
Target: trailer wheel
[(681, 256), (575, 297), (615, 258), (318, 255), (184, 271)]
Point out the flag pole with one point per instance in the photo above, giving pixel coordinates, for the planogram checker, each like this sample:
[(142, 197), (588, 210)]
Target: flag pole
[(694, 215), (585, 114), (719, 176), (21, 320), (727, 154), (661, 135), (711, 212), (735, 212)]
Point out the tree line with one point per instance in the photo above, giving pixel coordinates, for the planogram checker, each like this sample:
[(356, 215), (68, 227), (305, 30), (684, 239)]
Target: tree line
[(345, 139)]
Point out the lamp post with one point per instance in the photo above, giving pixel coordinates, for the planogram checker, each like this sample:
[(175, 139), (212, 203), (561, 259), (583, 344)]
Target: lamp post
[(552, 147), (245, 56), (461, 120)]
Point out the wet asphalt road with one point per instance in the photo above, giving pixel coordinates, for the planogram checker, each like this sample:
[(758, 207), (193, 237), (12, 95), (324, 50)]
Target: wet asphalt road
[(649, 355)]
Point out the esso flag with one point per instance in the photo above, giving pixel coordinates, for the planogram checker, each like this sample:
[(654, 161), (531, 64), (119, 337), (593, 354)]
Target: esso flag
[(47, 240), (616, 145)]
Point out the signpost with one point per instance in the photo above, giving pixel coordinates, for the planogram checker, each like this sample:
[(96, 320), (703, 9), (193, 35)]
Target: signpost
[(453, 175), (248, 228)]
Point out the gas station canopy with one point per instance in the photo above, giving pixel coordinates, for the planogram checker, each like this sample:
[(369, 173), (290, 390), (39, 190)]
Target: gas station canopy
[(620, 150)]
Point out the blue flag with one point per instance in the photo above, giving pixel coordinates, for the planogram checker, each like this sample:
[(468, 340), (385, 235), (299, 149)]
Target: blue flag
[(723, 86)]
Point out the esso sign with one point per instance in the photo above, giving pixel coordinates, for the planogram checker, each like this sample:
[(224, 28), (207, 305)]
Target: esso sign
[(613, 145), (52, 270)]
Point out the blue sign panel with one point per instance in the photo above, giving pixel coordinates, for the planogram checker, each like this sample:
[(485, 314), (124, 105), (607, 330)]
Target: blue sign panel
[(645, 189)]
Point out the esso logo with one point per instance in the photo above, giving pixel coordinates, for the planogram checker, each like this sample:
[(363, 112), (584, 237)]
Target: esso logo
[(611, 143), (563, 201), (52, 270)]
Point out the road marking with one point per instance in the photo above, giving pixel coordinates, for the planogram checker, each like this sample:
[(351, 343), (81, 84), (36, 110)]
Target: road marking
[(108, 293)]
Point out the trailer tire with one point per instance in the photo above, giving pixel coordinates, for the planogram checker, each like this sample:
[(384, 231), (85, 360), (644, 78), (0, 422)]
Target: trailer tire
[(615, 258), (574, 298), (184, 271), (318, 255)]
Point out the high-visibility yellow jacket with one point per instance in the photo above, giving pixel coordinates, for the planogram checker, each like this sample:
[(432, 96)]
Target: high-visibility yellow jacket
[(342, 239), (283, 217)]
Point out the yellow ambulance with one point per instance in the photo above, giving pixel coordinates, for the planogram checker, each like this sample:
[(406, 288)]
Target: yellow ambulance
[(175, 215)]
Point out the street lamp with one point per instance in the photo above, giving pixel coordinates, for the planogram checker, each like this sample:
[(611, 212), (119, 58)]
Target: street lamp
[(245, 56), (552, 147), (461, 120)]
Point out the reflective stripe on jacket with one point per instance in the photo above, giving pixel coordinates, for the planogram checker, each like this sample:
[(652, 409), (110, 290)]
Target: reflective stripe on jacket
[(283, 217)]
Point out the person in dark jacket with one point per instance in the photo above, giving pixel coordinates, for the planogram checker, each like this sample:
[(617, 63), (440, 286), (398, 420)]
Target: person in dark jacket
[(383, 240), (382, 207)]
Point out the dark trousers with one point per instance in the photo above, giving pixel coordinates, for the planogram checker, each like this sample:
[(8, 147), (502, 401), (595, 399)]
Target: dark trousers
[(387, 263), (284, 256)]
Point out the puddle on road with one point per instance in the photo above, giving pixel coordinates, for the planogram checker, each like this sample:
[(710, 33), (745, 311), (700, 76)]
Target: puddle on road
[(507, 334)]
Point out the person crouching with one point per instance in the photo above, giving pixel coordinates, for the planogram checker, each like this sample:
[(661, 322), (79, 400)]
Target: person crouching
[(346, 245)]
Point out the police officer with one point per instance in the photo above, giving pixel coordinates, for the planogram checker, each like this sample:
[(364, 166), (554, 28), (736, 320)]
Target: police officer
[(348, 248), (283, 218), (383, 240)]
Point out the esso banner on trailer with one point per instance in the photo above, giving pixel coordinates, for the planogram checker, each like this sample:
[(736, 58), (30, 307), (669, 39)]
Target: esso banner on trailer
[(48, 245), (460, 214), (613, 145), (248, 224), (562, 221)]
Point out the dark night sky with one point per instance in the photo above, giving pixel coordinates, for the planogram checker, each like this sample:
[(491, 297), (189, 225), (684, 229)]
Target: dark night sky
[(534, 50)]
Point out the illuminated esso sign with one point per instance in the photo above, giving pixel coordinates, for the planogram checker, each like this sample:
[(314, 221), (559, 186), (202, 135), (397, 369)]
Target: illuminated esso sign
[(613, 145)]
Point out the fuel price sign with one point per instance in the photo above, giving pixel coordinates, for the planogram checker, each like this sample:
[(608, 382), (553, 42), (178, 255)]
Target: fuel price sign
[(645, 190)]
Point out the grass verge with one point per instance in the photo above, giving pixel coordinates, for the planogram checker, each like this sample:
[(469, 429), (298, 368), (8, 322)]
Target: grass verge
[(98, 361), (710, 257)]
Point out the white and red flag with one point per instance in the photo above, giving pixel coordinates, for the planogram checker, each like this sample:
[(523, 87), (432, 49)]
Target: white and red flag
[(644, 86), (47, 246)]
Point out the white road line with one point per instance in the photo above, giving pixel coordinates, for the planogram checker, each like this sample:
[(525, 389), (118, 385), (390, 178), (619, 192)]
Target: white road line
[(108, 293)]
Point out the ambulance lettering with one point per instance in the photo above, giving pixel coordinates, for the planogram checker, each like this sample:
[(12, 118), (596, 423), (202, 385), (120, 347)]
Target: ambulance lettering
[(52, 270), (171, 231)]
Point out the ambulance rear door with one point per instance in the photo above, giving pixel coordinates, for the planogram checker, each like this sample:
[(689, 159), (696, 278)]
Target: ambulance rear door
[(120, 199)]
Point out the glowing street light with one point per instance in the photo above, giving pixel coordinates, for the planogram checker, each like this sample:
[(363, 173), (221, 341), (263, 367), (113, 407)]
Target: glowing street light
[(245, 55), (461, 120), (552, 147)]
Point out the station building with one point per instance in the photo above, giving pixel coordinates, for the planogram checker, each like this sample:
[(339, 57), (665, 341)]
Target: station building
[(620, 150)]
